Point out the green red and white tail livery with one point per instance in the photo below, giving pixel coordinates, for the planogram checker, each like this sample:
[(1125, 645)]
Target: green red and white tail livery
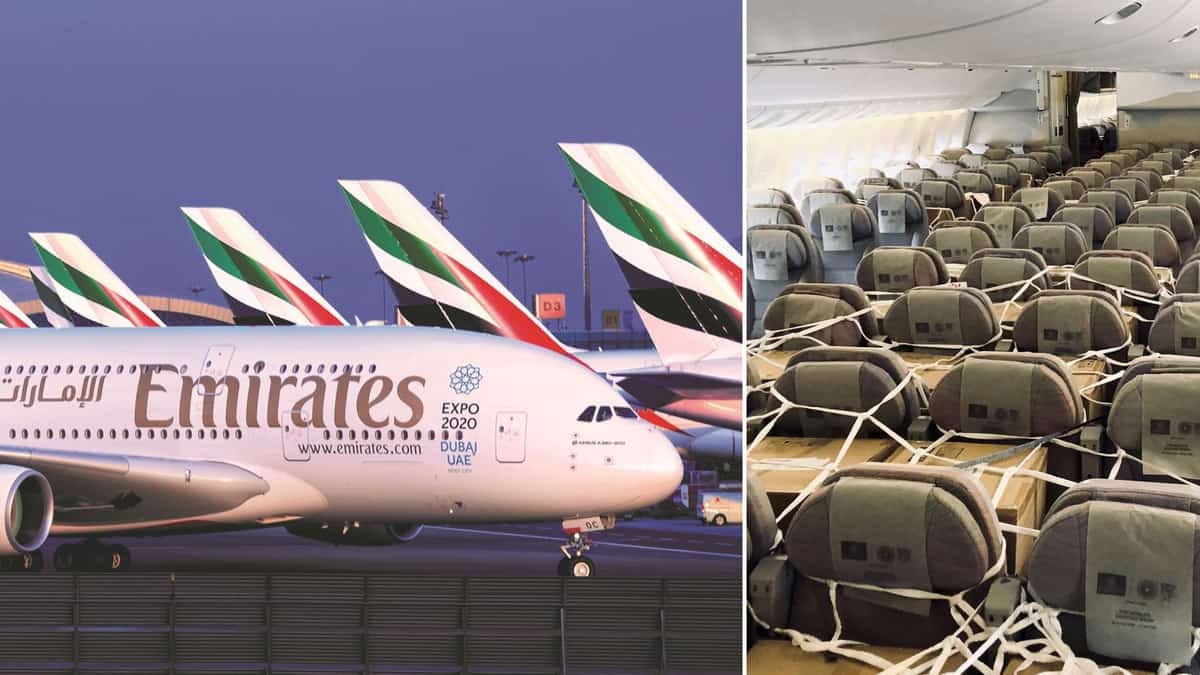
[(436, 280), (260, 286), (93, 294), (685, 278), (57, 314), (11, 316)]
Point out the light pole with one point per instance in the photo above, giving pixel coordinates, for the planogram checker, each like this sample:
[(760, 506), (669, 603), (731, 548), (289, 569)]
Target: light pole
[(506, 253), (438, 206), (383, 288), (587, 268), (321, 279), (524, 259)]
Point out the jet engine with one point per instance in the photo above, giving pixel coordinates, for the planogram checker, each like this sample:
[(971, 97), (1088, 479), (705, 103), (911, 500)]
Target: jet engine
[(28, 509), (366, 534), (718, 445)]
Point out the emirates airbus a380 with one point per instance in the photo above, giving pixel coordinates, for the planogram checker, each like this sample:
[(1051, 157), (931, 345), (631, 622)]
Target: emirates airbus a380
[(324, 430)]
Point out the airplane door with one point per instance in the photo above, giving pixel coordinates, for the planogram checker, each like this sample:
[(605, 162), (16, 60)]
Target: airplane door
[(215, 365), (294, 436), (510, 437)]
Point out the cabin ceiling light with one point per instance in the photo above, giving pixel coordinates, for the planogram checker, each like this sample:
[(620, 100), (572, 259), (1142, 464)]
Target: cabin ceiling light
[(1187, 34), (1121, 14)]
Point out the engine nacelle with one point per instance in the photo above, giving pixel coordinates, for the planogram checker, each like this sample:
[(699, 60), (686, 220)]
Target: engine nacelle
[(367, 534), (718, 445), (28, 511)]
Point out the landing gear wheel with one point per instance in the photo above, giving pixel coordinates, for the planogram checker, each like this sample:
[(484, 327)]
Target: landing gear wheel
[(581, 567), (719, 519), (25, 562), (119, 558)]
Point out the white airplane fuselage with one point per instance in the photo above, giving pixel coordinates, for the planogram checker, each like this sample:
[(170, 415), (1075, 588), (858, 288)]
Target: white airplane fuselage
[(341, 424)]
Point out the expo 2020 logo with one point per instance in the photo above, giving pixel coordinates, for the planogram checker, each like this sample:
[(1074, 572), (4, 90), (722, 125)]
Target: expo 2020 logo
[(465, 379)]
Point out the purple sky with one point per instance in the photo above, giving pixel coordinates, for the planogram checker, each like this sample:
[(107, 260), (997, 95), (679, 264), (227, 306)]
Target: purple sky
[(115, 113)]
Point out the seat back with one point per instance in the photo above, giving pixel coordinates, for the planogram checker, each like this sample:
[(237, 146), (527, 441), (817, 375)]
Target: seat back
[(1186, 199), (999, 271), (976, 181), (1063, 153), (815, 199), (997, 154), (1124, 159), (1153, 415), (1132, 270), (853, 386), (1086, 536), (843, 233), (1058, 243), (1117, 201), (900, 218), (776, 256), (806, 184), (1003, 173), (1172, 160), (1049, 160), (1106, 167), (892, 364), (956, 240), (942, 315), (1090, 177), (1042, 201), (895, 269), (768, 197), (1153, 180), (972, 161), (867, 187), (1095, 221), (1068, 187), (1069, 323), (1190, 183), (1161, 166), (911, 177), (1017, 394), (943, 193), (945, 168), (1006, 218), (1029, 165), (1134, 187), (953, 154), (1176, 327), (1153, 240), (807, 303)]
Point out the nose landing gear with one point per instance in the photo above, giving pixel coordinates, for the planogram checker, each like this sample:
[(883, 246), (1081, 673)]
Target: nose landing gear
[(574, 563), (91, 555)]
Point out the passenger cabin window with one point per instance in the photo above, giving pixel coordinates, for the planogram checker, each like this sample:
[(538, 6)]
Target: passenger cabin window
[(627, 413), (604, 413), (586, 415)]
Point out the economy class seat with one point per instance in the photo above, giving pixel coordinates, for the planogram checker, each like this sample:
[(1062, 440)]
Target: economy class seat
[(1063, 153), (900, 218), (1006, 218), (843, 233), (1132, 270), (1049, 160), (1042, 201), (972, 161), (997, 154), (1091, 178), (1152, 179), (823, 197), (944, 168), (1087, 531), (1181, 196), (953, 154), (1185, 182), (1137, 189), (943, 513), (956, 240), (804, 304), (1059, 243), (976, 181), (1069, 323), (1176, 327), (1003, 173), (990, 268), (935, 318), (1153, 240), (1117, 202), (1012, 394), (1187, 280), (1174, 218), (1173, 159), (895, 269), (1163, 167), (1031, 166), (1070, 188), (868, 186), (1153, 418), (773, 197), (778, 255), (944, 193), (1107, 167), (1124, 159), (1095, 221), (910, 177), (806, 184)]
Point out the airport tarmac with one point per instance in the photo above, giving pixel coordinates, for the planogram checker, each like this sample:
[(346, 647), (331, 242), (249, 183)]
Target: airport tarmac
[(644, 547)]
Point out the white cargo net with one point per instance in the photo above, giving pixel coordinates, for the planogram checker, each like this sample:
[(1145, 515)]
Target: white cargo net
[(969, 648)]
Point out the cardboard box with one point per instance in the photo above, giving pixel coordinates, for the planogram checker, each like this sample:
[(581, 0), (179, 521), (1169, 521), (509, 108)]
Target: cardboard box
[(1024, 500), (1011, 668), (779, 657), (809, 455)]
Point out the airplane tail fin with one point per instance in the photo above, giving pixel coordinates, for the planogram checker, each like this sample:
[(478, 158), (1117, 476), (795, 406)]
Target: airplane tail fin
[(11, 316), (685, 278), (260, 286), (56, 312), (89, 289), (436, 280)]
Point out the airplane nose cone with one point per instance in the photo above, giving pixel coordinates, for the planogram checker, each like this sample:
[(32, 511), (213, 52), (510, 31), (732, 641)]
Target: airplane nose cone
[(665, 467)]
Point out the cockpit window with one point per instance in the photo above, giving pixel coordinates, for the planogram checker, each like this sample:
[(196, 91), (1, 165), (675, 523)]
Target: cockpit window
[(586, 415), (604, 413), (627, 413)]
